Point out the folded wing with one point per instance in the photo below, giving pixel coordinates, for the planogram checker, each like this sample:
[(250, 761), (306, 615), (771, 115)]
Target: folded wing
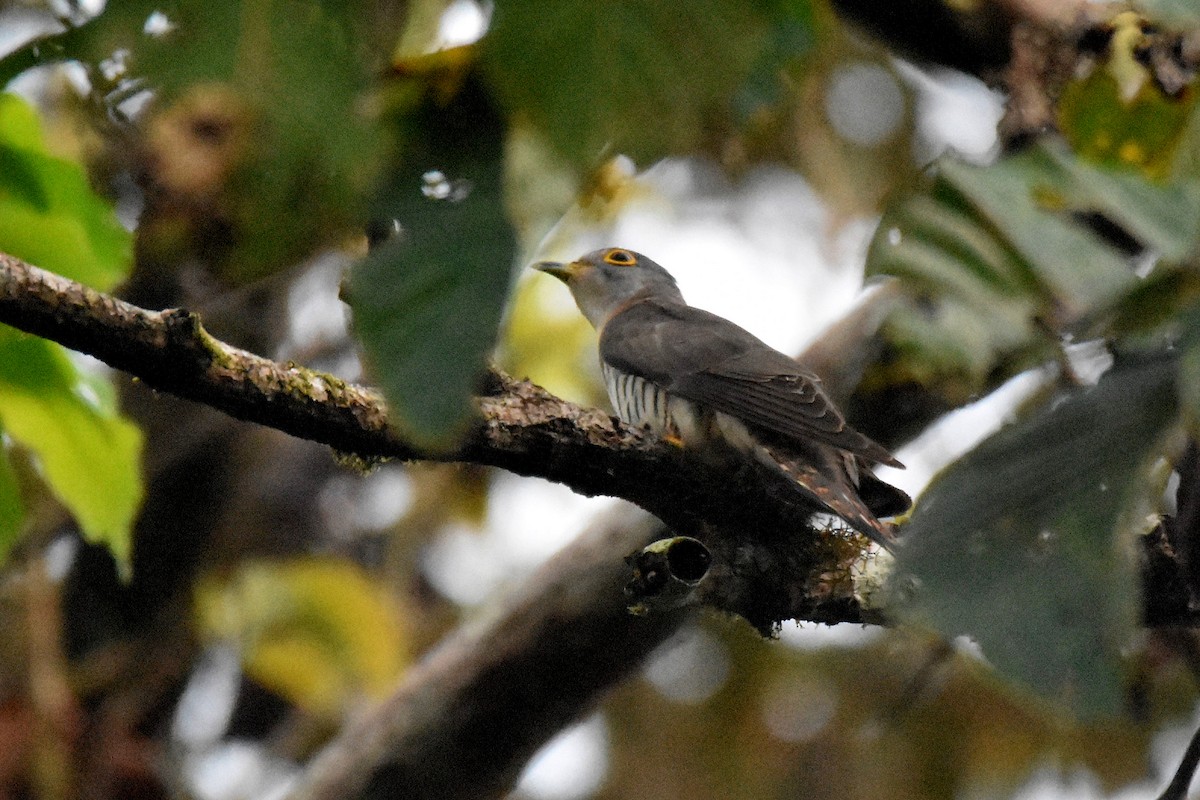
[(712, 361)]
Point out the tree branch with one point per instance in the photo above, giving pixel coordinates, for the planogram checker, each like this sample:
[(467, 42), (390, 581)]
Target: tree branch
[(770, 565)]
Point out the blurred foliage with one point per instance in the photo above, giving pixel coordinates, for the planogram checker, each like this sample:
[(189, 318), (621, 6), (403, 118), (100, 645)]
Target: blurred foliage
[(319, 632), (840, 73), (85, 451), (1046, 581), (635, 77), (12, 510), (1006, 259), (1026, 542), (276, 129), (1118, 115), (1173, 12), (895, 716), (1103, 126), (235, 136), (427, 303)]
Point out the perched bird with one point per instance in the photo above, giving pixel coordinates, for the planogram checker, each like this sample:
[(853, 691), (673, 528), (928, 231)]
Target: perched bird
[(694, 377)]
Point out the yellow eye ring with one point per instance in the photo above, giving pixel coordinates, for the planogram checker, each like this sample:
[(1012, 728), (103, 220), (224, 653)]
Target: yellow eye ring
[(620, 258)]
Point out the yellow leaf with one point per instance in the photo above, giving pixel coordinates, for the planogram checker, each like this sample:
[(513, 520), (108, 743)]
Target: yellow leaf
[(318, 631)]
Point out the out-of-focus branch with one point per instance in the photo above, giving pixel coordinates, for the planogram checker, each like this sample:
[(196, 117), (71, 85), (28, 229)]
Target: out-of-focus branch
[(1178, 787), (467, 718)]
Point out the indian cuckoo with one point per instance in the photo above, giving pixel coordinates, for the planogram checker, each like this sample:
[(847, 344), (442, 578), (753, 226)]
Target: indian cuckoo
[(693, 377)]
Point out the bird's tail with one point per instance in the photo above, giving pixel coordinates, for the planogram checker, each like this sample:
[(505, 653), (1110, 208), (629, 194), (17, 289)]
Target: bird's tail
[(881, 497), (832, 487)]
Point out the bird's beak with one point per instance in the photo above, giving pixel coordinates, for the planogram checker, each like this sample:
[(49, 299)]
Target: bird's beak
[(563, 272)]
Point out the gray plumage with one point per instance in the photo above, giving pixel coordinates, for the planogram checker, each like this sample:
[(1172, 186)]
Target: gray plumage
[(692, 376), (717, 364)]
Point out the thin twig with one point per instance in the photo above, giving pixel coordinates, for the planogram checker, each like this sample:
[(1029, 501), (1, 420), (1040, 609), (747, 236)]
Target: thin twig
[(1177, 788)]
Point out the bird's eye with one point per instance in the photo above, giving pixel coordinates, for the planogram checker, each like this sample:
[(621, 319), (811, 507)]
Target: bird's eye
[(620, 258)]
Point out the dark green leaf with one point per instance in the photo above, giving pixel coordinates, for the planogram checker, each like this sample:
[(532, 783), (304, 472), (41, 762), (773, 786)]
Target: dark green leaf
[(428, 303), (638, 77), (1025, 543), (1156, 304)]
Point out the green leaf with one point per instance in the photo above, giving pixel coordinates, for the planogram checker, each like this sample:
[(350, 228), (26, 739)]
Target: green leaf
[(89, 456), (1141, 133), (49, 215), (1025, 543), (637, 77), (12, 510), (1022, 229), (1163, 218), (427, 304), (1155, 306), (1028, 200), (19, 124)]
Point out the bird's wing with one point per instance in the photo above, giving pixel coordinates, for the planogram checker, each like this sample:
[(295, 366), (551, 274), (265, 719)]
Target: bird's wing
[(712, 361)]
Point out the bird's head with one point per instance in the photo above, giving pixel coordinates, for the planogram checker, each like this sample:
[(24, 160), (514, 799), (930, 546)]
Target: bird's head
[(607, 281)]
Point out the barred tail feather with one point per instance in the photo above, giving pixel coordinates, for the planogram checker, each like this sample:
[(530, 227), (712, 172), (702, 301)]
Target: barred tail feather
[(830, 487)]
